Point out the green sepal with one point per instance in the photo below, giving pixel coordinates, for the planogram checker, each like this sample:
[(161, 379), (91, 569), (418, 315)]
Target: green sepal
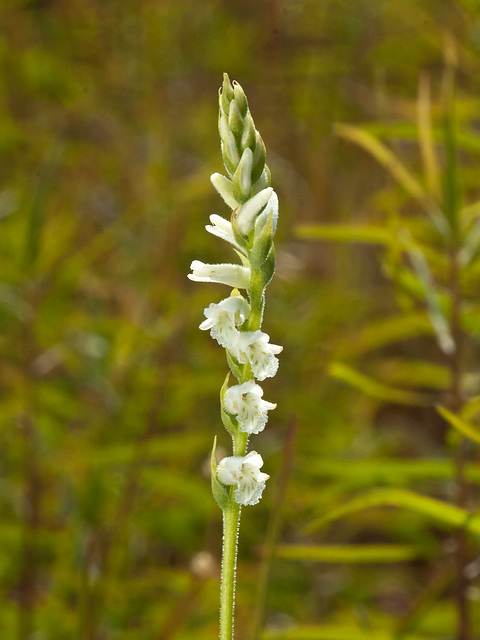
[(226, 94), (235, 122), (262, 243), (219, 490), (242, 178), (262, 183), (240, 98), (259, 156), (268, 267), (229, 422), (235, 367), (249, 135), (240, 239), (230, 155)]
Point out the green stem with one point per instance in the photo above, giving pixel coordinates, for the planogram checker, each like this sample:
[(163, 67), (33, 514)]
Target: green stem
[(231, 523), (257, 302)]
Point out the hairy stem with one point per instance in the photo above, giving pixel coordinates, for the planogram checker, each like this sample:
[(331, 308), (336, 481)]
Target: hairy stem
[(231, 523)]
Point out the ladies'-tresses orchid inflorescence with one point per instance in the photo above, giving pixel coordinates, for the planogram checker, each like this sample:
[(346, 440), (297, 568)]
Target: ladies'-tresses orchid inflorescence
[(235, 322)]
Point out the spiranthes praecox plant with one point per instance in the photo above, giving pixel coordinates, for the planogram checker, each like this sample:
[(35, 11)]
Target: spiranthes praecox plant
[(235, 322)]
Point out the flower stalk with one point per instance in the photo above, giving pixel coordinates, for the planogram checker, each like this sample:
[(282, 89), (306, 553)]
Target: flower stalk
[(235, 322)]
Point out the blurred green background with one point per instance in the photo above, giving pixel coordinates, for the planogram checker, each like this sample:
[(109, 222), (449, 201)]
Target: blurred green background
[(109, 392)]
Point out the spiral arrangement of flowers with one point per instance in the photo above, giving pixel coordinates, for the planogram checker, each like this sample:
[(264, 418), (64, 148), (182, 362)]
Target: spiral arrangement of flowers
[(235, 322)]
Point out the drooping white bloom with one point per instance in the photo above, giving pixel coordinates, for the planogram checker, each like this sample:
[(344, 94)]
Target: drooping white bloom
[(232, 274), (254, 347), (245, 402), (244, 216), (245, 473), (224, 318), (222, 229)]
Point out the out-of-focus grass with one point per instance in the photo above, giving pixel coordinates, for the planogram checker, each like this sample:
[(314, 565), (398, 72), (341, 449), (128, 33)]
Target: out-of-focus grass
[(109, 393)]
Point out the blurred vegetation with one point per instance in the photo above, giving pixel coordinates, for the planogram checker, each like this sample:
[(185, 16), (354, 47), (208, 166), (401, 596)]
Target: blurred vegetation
[(108, 115)]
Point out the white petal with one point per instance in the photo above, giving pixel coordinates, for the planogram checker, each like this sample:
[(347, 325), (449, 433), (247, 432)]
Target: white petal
[(206, 324), (254, 346), (255, 460), (229, 470), (222, 229), (245, 473), (233, 275), (245, 402), (252, 481), (224, 318)]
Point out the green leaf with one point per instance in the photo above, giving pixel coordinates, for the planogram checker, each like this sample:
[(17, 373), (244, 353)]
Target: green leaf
[(352, 553), (336, 632), (451, 191), (466, 140), (446, 515), (386, 331), (471, 408), (461, 425), (373, 388), (36, 218), (388, 471), (399, 371), (425, 137), (437, 318), (385, 157), (341, 233)]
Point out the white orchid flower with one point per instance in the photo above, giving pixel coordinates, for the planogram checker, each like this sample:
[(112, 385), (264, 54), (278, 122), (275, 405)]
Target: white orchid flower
[(223, 319), (254, 347), (244, 472), (233, 275), (245, 402)]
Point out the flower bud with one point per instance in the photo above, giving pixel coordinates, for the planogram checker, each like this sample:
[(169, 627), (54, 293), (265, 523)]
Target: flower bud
[(226, 94), (242, 178), (243, 218), (231, 157), (222, 125), (248, 135), (235, 121), (240, 99), (224, 186), (262, 183), (259, 155)]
